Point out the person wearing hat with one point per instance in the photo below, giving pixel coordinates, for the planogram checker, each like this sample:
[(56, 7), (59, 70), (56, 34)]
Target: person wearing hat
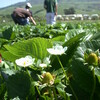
[(27, 7), (21, 16)]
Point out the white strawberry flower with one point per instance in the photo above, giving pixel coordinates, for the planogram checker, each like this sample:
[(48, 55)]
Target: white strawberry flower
[(25, 62), (42, 65), (57, 50), (46, 60)]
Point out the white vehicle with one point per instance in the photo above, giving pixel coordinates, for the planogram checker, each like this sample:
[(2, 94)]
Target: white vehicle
[(94, 17)]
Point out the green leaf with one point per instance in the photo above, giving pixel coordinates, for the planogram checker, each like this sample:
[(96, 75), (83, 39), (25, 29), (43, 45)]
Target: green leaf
[(97, 73), (36, 47), (3, 41), (2, 88), (59, 39), (72, 39), (60, 88), (94, 44), (18, 85), (96, 36), (32, 92), (82, 74), (9, 56), (8, 34), (44, 97)]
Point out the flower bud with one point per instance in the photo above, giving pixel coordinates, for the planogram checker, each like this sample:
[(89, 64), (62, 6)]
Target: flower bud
[(92, 59), (48, 78)]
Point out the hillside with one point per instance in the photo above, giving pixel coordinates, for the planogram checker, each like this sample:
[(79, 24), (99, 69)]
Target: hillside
[(34, 2), (80, 6), (61, 1)]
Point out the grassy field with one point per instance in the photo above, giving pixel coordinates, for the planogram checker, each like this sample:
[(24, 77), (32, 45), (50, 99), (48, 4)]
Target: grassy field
[(39, 11), (80, 7)]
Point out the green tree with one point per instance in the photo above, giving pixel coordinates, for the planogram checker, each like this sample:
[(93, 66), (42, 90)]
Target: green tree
[(69, 11)]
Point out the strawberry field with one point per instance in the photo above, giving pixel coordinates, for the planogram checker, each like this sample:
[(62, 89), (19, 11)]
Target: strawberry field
[(50, 62)]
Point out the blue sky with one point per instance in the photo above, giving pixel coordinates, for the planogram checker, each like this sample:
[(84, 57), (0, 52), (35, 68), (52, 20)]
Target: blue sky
[(4, 3)]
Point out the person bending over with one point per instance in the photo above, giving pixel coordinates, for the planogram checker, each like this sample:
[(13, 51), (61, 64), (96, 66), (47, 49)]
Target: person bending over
[(21, 16)]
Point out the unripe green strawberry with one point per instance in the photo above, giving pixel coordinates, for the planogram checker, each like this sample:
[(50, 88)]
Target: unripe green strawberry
[(47, 78), (99, 60), (92, 59)]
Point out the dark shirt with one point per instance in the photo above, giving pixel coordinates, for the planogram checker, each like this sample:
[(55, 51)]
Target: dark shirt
[(21, 12), (50, 5)]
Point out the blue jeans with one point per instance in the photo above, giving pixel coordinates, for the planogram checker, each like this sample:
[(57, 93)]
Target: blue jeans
[(19, 20), (50, 18)]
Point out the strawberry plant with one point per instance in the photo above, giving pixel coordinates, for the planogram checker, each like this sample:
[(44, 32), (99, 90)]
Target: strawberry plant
[(50, 62)]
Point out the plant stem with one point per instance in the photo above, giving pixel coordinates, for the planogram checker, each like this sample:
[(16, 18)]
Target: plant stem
[(55, 93), (32, 80), (67, 78), (38, 90), (94, 85), (51, 94), (62, 68), (15, 67), (28, 73)]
